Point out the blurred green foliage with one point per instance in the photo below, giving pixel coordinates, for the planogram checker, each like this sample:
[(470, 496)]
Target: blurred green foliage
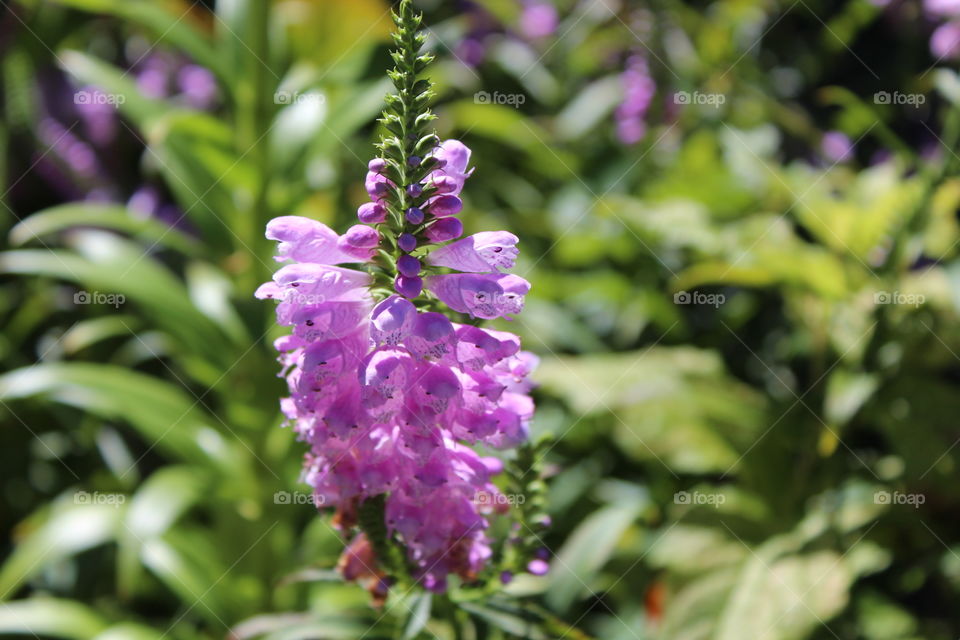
[(750, 368)]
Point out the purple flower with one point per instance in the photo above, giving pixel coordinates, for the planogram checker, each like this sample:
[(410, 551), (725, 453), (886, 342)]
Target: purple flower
[(444, 229), (538, 567), (407, 242), (372, 213), (638, 92), (945, 41), (480, 253), (414, 215), (408, 287), (538, 19), (199, 86), (444, 206), (480, 295), (836, 147), (408, 266), (454, 156), (387, 396), (942, 8)]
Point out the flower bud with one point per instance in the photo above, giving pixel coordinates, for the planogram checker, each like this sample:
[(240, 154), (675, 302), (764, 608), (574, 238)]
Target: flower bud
[(446, 206), (360, 236), (372, 213), (444, 229), (408, 266), (414, 215), (408, 287), (407, 242)]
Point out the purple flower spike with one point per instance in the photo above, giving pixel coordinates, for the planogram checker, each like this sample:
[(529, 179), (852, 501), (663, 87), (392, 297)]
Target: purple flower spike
[(414, 161), (408, 287), (414, 191), (480, 253), (506, 577), (390, 399), (414, 215), (407, 242), (372, 213), (444, 229), (377, 165), (408, 266), (444, 206)]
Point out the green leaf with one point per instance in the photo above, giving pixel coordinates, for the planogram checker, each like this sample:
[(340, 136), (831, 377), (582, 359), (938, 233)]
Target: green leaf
[(164, 415), (56, 617), (65, 529), (131, 631), (419, 615), (509, 127), (585, 552), (117, 218), (847, 392), (517, 625), (111, 265)]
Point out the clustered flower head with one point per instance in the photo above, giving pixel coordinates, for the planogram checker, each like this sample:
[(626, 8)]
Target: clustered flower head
[(393, 399)]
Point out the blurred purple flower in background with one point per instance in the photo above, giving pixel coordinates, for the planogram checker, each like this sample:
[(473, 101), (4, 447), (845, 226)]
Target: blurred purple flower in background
[(945, 40), (88, 154), (639, 89), (836, 147), (538, 19)]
